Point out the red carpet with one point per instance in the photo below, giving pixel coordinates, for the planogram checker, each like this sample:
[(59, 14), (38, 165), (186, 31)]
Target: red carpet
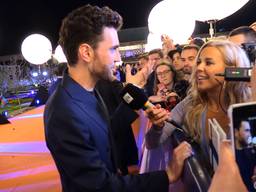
[(25, 162)]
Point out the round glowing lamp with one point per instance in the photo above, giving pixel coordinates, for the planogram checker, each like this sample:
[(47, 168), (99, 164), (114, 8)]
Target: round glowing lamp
[(36, 49), (45, 73), (153, 42), (204, 10), (34, 74), (37, 101), (59, 55), (168, 17)]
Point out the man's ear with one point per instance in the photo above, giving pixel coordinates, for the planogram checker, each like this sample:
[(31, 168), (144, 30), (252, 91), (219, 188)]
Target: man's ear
[(85, 52)]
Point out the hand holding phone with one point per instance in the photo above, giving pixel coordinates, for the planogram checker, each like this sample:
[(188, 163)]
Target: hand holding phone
[(243, 136)]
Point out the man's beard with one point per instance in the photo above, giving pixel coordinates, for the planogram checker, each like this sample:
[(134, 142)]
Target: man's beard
[(243, 143), (105, 74), (101, 72), (186, 70)]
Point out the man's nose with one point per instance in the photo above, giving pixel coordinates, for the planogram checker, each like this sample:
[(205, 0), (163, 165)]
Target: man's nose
[(186, 63), (117, 57)]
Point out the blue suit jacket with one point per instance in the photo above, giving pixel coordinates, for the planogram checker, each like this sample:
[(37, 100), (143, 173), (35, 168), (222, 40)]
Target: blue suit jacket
[(76, 133)]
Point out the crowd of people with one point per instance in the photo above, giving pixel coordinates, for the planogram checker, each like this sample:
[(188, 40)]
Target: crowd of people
[(88, 128)]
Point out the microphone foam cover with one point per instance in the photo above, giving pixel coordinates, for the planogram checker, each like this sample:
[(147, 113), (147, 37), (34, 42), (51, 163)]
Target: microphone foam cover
[(133, 96)]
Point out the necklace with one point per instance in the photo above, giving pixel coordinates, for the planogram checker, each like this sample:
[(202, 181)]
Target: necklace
[(214, 110)]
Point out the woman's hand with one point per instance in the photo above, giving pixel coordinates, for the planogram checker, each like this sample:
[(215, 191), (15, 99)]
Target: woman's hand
[(175, 167), (156, 98), (172, 94), (157, 115)]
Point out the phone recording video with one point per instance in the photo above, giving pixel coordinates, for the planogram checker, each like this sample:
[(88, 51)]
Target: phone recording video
[(243, 136)]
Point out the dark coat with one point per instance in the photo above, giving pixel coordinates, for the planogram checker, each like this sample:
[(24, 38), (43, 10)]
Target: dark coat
[(78, 136)]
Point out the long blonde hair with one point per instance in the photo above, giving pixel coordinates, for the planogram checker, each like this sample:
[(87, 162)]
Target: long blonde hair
[(233, 92)]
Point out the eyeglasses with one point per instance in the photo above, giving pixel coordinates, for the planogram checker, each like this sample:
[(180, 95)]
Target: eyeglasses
[(155, 59), (163, 72)]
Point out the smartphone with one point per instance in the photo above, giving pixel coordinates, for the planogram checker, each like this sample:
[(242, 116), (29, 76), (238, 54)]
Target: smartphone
[(243, 137)]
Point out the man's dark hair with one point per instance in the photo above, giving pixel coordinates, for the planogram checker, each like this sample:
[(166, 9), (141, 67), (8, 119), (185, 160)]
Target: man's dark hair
[(143, 56), (85, 25), (187, 47), (197, 41), (237, 123), (248, 32), (172, 52), (157, 51)]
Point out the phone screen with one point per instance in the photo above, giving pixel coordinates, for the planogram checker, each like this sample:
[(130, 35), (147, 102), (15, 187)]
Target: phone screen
[(243, 131)]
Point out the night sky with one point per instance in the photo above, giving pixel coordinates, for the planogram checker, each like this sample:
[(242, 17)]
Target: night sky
[(19, 18)]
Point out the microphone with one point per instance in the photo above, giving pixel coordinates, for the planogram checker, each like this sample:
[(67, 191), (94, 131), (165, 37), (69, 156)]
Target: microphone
[(195, 176), (136, 99), (236, 74)]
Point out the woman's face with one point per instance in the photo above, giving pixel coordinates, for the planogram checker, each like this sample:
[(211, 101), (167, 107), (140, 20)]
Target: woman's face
[(176, 61), (209, 63), (164, 74)]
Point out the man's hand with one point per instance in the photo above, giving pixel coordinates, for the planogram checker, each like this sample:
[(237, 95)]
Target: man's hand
[(175, 167), (227, 176), (157, 115), (167, 43), (140, 78)]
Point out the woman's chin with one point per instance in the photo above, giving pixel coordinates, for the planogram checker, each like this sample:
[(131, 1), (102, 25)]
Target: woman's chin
[(202, 89)]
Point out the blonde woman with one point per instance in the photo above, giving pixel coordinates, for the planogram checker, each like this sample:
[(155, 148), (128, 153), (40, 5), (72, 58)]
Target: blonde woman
[(209, 95)]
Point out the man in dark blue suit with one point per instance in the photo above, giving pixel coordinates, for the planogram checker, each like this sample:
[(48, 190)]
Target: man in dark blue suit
[(77, 124)]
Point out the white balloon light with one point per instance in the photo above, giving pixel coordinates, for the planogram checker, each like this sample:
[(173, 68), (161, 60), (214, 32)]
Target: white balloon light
[(168, 17), (153, 42), (176, 18), (36, 49), (204, 10), (59, 55)]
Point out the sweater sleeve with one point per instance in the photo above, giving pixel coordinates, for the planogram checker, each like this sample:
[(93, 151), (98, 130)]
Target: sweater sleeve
[(156, 136)]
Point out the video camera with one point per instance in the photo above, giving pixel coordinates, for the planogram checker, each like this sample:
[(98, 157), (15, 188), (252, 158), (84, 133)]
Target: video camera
[(250, 49), (241, 73)]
